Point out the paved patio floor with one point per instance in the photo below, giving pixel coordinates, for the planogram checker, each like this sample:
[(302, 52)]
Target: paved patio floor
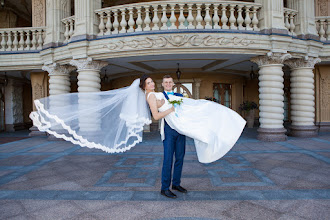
[(41, 179)]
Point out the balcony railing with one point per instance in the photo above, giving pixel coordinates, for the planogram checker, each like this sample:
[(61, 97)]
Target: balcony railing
[(21, 39), (289, 15), (69, 28), (323, 27), (169, 15)]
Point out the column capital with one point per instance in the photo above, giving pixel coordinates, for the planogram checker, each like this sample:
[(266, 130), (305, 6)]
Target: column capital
[(271, 58), (56, 69), (304, 62), (88, 63)]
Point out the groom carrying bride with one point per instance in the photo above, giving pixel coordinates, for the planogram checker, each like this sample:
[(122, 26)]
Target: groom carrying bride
[(174, 144)]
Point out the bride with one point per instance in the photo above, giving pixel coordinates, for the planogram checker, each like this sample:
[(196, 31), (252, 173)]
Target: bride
[(214, 127), (113, 120)]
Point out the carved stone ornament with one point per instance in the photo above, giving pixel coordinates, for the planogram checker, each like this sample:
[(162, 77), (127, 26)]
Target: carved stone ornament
[(178, 41), (38, 91), (17, 100), (325, 91), (271, 58), (302, 62), (88, 63), (56, 69)]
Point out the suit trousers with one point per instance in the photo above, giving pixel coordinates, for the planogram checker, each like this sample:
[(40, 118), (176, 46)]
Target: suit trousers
[(174, 144)]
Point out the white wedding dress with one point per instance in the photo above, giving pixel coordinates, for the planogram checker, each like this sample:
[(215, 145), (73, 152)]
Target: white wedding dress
[(214, 127)]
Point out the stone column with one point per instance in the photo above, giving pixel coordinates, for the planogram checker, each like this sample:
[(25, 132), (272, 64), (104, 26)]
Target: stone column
[(271, 96), (86, 20), (197, 85), (302, 96), (38, 13), (88, 82), (59, 83), (56, 10), (39, 84), (305, 19), (271, 18)]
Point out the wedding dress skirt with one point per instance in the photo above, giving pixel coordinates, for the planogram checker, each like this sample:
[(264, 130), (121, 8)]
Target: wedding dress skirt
[(214, 127)]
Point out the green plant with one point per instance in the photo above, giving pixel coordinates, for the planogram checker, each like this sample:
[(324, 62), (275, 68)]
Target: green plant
[(247, 106)]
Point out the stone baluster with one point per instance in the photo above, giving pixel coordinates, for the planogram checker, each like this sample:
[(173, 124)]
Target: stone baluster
[(15, 42), (322, 31), (207, 17), (224, 18), (302, 96), (115, 22), (71, 30), (9, 41), (66, 32), (181, 17), (292, 26), (271, 96), (199, 17), (21, 41), (28, 40), (255, 20), (247, 20), (108, 25), (240, 19), (130, 22), (34, 39), (232, 19), (155, 19), (164, 18), (88, 82), (216, 18), (147, 19), (139, 20), (123, 22), (40, 39), (172, 17), (328, 29), (190, 17), (286, 20), (101, 25), (3, 40)]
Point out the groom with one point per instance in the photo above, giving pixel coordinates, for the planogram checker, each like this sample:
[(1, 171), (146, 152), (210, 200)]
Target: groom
[(174, 144)]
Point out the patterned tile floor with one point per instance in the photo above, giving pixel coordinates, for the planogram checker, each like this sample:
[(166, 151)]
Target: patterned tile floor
[(41, 179)]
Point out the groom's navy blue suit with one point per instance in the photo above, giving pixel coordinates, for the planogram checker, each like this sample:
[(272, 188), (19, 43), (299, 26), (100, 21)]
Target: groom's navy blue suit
[(174, 143)]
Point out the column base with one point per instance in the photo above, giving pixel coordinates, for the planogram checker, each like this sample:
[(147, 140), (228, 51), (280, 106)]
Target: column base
[(34, 131), (303, 131), (271, 134)]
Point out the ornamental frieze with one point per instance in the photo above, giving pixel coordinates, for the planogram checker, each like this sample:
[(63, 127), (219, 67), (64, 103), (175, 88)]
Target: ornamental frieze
[(178, 41)]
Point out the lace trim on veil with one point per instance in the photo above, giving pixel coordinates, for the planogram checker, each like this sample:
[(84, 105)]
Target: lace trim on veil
[(131, 122)]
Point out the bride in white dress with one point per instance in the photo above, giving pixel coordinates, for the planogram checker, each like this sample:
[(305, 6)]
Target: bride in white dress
[(214, 127), (113, 120)]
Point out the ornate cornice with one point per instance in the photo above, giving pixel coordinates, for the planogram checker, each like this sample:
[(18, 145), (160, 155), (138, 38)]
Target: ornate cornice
[(271, 58), (56, 69), (178, 41), (302, 62), (88, 63)]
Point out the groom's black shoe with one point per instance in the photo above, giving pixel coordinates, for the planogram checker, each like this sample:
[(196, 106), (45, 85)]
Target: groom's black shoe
[(180, 189), (168, 193)]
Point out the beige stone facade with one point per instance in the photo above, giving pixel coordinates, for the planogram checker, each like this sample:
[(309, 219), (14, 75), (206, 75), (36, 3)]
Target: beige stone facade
[(86, 45)]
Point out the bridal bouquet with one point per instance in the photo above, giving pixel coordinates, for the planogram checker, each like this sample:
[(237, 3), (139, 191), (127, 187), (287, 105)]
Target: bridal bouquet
[(176, 102)]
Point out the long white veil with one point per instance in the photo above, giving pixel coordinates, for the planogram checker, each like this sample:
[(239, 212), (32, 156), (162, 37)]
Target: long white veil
[(111, 120)]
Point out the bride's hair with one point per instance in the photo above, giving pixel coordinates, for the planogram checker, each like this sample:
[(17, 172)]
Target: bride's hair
[(143, 81)]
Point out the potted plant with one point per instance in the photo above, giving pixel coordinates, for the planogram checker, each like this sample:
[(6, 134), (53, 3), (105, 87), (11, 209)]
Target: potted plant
[(249, 107)]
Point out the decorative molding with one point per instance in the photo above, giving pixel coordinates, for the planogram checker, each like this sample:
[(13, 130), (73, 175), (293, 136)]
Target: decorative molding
[(88, 63), (38, 91), (178, 41), (38, 12), (271, 58), (56, 69), (302, 62)]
